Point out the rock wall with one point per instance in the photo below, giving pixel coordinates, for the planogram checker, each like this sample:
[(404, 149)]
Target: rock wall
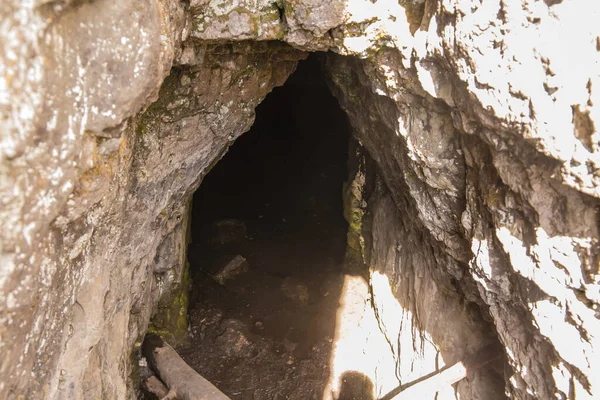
[(490, 175), (480, 117), (96, 194)]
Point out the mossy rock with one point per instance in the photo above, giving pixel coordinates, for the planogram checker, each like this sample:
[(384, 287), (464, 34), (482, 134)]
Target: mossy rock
[(170, 321)]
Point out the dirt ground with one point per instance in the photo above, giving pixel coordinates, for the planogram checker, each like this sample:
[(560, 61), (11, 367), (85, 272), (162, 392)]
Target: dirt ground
[(267, 333)]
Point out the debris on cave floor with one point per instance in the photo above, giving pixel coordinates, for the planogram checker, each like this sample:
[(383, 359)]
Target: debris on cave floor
[(231, 266), (267, 332)]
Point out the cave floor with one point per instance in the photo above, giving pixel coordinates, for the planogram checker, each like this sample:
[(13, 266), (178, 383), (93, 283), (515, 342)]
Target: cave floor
[(267, 333)]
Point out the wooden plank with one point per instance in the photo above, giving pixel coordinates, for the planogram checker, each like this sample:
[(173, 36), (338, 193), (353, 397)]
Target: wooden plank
[(183, 381)]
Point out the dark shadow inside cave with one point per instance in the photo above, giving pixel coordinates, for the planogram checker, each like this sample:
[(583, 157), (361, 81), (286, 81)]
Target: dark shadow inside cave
[(268, 243)]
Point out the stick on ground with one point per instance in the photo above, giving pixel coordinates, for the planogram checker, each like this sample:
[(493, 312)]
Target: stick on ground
[(181, 379)]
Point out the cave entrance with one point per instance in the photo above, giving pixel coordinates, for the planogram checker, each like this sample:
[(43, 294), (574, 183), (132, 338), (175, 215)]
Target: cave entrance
[(267, 248)]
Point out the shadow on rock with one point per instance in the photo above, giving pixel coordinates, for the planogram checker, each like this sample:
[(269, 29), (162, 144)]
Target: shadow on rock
[(355, 386)]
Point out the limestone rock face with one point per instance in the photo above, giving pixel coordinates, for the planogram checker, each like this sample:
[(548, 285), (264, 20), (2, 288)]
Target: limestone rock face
[(95, 194), (477, 196), (484, 174)]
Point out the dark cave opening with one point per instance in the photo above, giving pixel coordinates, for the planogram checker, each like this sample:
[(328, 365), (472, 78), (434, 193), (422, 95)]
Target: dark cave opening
[(286, 173), (268, 245)]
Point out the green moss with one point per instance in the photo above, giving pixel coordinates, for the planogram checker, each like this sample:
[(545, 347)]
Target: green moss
[(255, 21), (354, 213), (495, 197), (280, 34), (167, 94), (199, 24), (271, 14), (354, 249), (288, 6), (134, 373), (345, 82), (170, 321)]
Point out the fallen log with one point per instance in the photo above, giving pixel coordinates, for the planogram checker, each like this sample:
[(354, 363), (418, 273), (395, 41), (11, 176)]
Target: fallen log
[(448, 375), (153, 385), (183, 382)]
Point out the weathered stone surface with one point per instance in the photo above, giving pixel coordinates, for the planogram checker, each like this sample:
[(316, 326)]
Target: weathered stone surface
[(487, 180), (481, 119), (98, 216), (63, 69), (421, 311), (305, 24), (230, 20)]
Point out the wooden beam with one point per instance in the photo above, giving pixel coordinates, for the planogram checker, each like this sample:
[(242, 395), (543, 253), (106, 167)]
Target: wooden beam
[(183, 382)]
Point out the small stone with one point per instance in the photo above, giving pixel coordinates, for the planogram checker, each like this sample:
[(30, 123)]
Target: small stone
[(233, 341), (231, 269), (185, 80)]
